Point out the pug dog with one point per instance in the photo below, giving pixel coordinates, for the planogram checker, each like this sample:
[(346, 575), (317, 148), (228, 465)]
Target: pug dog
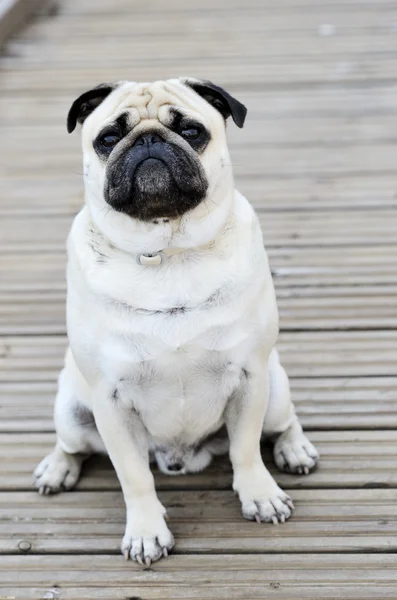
[(171, 311)]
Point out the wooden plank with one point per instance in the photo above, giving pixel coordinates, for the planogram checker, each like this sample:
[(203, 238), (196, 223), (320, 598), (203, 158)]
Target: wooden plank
[(304, 354), (306, 32), (349, 459), (202, 522), (278, 22), (338, 403), (331, 266), (371, 71), (322, 404), (331, 577), (336, 308), (346, 403), (27, 407), (92, 8), (291, 267), (14, 14), (265, 49), (24, 313), (302, 308), (286, 229), (367, 107)]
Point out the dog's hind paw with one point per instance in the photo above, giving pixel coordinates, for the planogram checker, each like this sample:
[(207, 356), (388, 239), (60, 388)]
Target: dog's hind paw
[(58, 471), (294, 453)]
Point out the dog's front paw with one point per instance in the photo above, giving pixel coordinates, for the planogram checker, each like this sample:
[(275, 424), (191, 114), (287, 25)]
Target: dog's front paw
[(57, 471), (147, 537), (294, 453), (261, 498)]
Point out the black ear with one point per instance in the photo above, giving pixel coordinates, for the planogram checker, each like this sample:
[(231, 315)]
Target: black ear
[(220, 99), (86, 104)]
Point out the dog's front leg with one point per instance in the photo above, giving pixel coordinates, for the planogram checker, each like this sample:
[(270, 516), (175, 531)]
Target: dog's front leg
[(261, 498), (147, 536)]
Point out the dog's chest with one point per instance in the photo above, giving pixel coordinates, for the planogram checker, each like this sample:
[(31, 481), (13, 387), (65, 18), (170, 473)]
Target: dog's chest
[(176, 369), (182, 394)]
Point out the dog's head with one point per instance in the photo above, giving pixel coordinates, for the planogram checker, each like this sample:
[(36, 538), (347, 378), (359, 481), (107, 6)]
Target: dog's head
[(154, 151)]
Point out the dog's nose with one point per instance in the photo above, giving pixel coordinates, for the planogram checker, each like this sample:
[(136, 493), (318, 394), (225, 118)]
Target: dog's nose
[(175, 467), (148, 139)]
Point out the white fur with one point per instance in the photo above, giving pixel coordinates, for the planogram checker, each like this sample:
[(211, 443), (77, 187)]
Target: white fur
[(160, 379)]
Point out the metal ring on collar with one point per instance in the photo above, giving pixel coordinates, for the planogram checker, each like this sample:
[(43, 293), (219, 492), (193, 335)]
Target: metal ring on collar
[(150, 260)]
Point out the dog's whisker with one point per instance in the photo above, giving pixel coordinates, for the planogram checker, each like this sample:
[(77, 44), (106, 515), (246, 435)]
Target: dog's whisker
[(227, 210), (207, 207)]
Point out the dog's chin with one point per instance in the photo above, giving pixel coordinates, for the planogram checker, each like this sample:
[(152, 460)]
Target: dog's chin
[(154, 194), (152, 176)]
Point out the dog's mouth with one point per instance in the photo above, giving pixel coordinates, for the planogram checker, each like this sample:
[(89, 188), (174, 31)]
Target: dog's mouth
[(160, 180), (151, 175)]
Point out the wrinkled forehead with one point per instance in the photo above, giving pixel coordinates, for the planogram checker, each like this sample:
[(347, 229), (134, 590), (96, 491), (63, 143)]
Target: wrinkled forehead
[(154, 100)]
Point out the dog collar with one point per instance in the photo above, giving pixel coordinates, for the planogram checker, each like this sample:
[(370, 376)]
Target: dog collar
[(155, 259)]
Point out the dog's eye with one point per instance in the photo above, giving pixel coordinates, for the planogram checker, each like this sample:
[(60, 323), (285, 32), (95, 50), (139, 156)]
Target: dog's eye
[(191, 133), (109, 140)]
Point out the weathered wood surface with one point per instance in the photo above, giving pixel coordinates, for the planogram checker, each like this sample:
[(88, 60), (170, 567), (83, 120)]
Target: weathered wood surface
[(323, 403), (350, 459), (242, 577), (306, 353), (317, 159), (14, 14), (203, 521)]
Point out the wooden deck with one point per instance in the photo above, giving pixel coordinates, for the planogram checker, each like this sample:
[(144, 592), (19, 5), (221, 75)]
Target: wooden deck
[(318, 158)]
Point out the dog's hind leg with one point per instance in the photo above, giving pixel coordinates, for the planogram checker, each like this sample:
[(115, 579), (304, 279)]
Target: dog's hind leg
[(77, 436), (293, 452)]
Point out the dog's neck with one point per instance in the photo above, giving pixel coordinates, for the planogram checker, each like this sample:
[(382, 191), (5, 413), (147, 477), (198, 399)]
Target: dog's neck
[(197, 229)]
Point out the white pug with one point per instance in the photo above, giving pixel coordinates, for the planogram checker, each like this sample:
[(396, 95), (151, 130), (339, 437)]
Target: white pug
[(171, 311)]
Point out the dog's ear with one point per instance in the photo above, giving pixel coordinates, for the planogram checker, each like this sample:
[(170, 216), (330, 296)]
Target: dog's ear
[(85, 104), (219, 99)]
